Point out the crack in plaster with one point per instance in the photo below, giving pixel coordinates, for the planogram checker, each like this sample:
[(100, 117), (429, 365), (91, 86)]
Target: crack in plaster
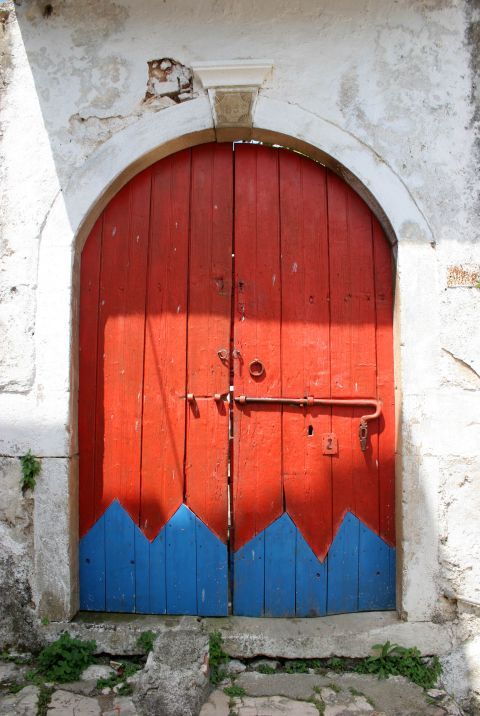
[(462, 362)]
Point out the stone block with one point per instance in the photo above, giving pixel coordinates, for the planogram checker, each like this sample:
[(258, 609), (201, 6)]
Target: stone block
[(97, 671), (175, 679), (25, 703), (65, 703)]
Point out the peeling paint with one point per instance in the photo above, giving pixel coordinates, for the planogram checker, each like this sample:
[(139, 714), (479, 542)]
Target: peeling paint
[(463, 276), (168, 80)]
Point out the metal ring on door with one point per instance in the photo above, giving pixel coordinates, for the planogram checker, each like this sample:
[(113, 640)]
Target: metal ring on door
[(256, 368)]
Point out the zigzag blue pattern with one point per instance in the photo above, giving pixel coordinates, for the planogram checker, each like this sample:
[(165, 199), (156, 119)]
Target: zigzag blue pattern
[(185, 570), (277, 574)]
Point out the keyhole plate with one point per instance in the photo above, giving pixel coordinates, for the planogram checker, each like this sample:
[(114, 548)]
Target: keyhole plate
[(329, 444)]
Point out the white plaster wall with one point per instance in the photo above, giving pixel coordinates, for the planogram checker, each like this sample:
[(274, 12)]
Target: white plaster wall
[(386, 88)]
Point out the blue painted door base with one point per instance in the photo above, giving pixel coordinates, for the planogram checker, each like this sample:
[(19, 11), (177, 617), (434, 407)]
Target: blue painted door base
[(185, 570), (276, 574)]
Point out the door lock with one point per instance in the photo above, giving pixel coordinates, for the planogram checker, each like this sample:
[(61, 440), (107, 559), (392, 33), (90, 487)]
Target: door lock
[(329, 444)]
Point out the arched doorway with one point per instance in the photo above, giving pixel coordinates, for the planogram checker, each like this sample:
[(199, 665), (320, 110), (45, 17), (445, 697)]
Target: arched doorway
[(224, 291)]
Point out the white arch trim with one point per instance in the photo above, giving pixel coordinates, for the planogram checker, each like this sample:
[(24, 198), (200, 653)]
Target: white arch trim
[(158, 134)]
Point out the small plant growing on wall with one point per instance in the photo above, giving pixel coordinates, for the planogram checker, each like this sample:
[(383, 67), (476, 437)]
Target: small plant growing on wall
[(31, 467)]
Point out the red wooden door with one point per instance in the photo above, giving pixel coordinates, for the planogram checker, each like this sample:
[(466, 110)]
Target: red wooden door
[(312, 532), (155, 306), (222, 272)]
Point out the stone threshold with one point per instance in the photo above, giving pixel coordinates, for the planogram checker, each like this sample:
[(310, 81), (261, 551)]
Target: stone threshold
[(350, 635)]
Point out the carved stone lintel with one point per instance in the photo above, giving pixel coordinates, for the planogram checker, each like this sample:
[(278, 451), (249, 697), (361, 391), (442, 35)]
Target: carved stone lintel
[(233, 88), (232, 108)]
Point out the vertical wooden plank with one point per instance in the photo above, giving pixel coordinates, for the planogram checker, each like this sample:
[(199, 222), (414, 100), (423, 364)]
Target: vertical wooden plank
[(352, 292), (142, 572), (209, 317), (165, 345), (249, 578), (212, 573), (353, 350), (385, 381), (120, 347), (92, 568), (206, 466), (310, 582), (210, 280), (343, 568), (340, 347), (88, 333), (119, 559), (150, 595), (364, 355), (181, 570), (157, 576), (375, 573), (305, 346), (280, 540), (257, 479)]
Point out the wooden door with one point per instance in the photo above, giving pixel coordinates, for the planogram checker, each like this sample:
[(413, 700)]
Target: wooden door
[(217, 273), (155, 306), (313, 532)]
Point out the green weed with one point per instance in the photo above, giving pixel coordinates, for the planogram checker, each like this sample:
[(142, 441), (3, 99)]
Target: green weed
[(145, 641), (43, 700), (336, 664), (234, 691), (65, 659), (318, 703), (19, 659), (297, 666), (31, 467), (394, 660), (265, 669), (217, 658)]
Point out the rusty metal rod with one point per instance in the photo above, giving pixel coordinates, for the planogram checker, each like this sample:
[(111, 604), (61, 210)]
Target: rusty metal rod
[(310, 400)]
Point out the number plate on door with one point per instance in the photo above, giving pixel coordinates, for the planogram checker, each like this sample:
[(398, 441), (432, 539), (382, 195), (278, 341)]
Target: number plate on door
[(329, 444)]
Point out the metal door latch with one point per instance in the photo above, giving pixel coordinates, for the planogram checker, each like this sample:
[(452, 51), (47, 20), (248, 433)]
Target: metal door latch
[(309, 400)]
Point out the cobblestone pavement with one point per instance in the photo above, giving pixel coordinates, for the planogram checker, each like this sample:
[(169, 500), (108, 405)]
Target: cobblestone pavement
[(258, 694), (332, 694)]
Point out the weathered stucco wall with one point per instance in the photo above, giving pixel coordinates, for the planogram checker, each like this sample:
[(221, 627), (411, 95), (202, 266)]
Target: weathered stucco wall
[(387, 88)]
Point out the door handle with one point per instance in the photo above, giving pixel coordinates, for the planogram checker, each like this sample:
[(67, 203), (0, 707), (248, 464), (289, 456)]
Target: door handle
[(217, 397), (310, 400)]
